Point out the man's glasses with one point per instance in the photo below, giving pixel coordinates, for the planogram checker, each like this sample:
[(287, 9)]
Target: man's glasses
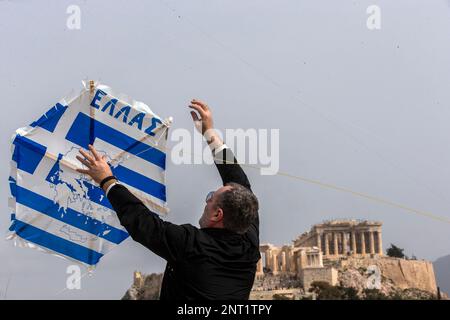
[(209, 196)]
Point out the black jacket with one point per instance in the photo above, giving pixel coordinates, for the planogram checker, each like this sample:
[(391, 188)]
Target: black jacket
[(207, 263)]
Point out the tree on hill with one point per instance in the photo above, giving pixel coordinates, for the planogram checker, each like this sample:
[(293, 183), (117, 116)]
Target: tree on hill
[(374, 294), (395, 252), (325, 291)]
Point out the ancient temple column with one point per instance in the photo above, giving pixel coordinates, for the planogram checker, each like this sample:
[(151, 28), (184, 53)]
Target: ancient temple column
[(283, 261), (288, 260), (335, 244), (380, 245), (319, 241), (344, 243), (268, 259), (291, 262), (327, 245), (353, 243), (363, 243), (371, 242), (296, 262), (274, 263)]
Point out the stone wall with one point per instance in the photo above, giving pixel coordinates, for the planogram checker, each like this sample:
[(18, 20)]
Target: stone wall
[(310, 275)]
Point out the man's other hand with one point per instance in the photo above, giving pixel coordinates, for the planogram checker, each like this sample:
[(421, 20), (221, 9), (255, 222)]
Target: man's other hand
[(97, 167)]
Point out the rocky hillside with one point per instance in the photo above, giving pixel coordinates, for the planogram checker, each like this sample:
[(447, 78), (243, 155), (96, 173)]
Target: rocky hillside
[(388, 281), (358, 278), (388, 274)]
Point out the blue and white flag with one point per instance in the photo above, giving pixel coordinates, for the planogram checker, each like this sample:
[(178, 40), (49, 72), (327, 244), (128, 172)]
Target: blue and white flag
[(58, 210)]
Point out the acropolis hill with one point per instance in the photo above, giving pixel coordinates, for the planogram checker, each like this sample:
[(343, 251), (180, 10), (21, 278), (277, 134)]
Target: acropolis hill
[(346, 253), (328, 242), (340, 252)]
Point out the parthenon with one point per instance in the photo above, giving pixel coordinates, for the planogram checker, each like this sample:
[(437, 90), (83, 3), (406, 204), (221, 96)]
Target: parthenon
[(344, 237)]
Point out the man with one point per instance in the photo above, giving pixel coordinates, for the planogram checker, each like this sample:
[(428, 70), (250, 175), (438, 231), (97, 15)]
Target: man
[(217, 261)]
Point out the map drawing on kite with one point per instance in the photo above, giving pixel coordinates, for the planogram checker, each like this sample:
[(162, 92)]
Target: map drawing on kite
[(60, 211)]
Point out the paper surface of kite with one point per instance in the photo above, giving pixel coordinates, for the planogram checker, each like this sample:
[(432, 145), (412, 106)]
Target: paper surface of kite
[(58, 210)]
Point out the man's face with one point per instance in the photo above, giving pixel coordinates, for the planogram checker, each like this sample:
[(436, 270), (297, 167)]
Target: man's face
[(212, 214)]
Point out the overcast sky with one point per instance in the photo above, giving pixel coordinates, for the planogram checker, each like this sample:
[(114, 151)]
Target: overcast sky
[(362, 109)]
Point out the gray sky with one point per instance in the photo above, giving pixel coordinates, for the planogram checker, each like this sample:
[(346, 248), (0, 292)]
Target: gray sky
[(362, 109)]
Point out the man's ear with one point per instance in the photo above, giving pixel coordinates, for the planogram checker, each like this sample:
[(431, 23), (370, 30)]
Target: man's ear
[(218, 215)]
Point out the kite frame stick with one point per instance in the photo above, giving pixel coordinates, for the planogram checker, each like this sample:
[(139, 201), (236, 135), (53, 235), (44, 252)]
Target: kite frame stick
[(64, 162), (74, 167)]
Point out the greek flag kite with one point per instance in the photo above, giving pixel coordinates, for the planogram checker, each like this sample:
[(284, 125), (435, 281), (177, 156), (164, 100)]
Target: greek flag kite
[(60, 211)]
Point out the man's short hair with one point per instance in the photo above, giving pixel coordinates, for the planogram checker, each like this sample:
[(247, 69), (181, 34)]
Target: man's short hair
[(240, 207)]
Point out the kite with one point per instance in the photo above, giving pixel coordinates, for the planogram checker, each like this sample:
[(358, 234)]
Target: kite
[(60, 211)]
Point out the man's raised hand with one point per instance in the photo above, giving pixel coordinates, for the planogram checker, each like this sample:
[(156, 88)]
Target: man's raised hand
[(204, 124), (205, 121)]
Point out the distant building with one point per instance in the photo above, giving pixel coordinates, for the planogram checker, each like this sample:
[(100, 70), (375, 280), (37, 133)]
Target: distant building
[(325, 242), (344, 237)]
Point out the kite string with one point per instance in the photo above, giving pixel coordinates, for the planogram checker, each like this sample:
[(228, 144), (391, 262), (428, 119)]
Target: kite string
[(322, 114), (319, 183), (352, 192), (325, 115)]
